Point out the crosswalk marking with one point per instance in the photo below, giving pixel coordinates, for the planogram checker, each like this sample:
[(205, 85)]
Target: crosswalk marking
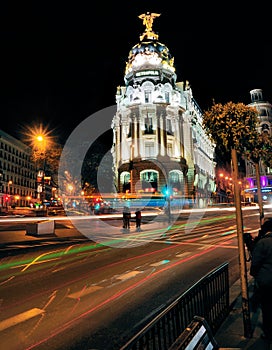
[(24, 316)]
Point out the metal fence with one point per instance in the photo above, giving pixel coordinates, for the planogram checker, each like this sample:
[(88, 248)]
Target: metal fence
[(208, 298)]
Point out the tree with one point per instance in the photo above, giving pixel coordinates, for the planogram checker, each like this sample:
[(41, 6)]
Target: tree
[(49, 160), (259, 149), (233, 126), (267, 150)]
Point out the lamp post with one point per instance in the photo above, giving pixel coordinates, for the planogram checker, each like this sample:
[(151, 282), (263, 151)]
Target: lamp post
[(8, 198), (40, 143), (41, 140)]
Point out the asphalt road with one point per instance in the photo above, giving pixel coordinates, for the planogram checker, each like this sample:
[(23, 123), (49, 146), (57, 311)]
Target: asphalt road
[(88, 295)]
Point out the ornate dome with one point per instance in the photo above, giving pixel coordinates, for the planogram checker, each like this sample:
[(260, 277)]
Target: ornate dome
[(149, 53)]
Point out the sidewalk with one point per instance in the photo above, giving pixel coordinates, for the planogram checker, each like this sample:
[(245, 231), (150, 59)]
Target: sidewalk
[(231, 332)]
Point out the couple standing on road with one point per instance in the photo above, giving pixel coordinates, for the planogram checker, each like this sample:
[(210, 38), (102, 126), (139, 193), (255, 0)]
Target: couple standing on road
[(127, 217)]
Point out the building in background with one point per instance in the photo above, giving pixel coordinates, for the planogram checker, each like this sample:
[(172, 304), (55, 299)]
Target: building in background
[(17, 173), (265, 126), (158, 141)]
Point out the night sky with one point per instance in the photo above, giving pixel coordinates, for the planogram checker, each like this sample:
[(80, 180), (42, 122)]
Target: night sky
[(62, 61)]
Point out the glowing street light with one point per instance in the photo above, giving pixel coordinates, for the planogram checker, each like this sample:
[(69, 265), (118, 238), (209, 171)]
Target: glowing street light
[(40, 140)]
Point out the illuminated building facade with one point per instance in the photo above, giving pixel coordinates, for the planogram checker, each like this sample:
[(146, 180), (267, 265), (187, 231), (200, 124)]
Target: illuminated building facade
[(17, 172), (264, 126), (158, 138)]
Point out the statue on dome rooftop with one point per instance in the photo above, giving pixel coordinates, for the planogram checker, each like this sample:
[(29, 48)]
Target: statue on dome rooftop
[(148, 19)]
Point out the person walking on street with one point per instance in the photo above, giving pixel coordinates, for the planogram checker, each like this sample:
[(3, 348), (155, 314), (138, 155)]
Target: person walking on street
[(138, 219), (261, 270), (126, 218)]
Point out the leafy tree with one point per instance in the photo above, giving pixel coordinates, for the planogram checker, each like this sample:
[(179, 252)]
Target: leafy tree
[(259, 149), (233, 126), (49, 161), (267, 149)]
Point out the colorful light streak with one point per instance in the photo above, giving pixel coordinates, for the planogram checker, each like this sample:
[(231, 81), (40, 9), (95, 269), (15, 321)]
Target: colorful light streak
[(116, 296)]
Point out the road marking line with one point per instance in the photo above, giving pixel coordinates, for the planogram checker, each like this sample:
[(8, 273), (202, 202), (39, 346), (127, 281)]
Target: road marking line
[(182, 255), (84, 292), (162, 262), (24, 316), (128, 275), (205, 246)]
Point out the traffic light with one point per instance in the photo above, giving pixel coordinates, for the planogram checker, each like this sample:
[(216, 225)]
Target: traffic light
[(167, 191)]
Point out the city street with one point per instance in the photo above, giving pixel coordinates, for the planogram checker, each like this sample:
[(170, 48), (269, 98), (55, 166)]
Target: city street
[(87, 295)]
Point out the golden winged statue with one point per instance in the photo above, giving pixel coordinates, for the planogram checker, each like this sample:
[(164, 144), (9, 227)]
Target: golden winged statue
[(148, 19)]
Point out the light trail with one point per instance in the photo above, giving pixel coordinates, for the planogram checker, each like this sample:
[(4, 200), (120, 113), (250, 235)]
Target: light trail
[(116, 296)]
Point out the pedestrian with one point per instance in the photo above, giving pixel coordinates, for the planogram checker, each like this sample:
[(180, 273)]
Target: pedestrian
[(261, 270), (138, 219), (126, 217)]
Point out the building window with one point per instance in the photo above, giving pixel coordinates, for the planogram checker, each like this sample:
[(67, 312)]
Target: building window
[(148, 125), (169, 127), (170, 149), (167, 97), (149, 149), (147, 95), (130, 130), (263, 112), (149, 179), (265, 127), (175, 180)]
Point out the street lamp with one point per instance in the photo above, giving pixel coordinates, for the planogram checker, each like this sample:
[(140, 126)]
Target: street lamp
[(40, 140), (8, 197), (40, 144)]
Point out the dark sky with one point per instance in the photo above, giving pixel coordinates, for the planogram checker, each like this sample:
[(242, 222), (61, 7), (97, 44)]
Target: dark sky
[(61, 61)]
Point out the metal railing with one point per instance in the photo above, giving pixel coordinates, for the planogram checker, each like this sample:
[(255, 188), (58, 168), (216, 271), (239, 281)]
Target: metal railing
[(208, 298)]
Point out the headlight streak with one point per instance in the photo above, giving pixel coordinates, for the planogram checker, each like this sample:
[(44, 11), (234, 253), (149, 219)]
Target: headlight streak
[(228, 232), (85, 248), (106, 267), (51, 254), (69, 250), (7, 280), (170, 245), (116, 296)]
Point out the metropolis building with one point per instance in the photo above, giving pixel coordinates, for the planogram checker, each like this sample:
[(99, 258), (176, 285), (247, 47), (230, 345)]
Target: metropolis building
[(158, 138)]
